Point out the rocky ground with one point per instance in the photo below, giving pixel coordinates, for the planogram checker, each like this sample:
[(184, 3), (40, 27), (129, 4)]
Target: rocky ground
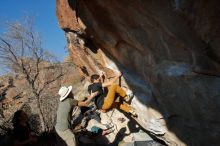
[(127, 131)]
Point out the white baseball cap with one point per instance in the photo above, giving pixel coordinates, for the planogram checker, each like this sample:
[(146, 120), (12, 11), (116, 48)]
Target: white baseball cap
[(64, 92)]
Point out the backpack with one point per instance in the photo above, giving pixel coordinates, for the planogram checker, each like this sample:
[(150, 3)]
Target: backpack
[(76, 116)]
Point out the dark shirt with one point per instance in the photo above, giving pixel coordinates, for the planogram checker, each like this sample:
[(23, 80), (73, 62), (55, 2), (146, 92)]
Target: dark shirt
[(22, 133), (99, 99)]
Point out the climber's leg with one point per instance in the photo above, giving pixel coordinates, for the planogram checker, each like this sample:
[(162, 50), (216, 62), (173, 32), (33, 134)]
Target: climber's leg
[(125, 107), (118, 90), (110, 98)]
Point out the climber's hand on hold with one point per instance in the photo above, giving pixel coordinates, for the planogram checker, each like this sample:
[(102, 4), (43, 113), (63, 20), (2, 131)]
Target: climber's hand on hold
[(102, 73), (119, 74)]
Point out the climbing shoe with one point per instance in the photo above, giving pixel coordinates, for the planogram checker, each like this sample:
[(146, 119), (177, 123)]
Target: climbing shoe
[(129, 94), (133, 113)]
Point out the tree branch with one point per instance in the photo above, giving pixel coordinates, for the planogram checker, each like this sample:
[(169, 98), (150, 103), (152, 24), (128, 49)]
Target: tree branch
[(49, 82), (9, 48)]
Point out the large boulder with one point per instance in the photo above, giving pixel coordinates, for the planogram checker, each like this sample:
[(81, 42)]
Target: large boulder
[(168, 52)]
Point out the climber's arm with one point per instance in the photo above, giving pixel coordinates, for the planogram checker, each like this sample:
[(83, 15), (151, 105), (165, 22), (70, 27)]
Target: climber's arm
[(88, 100), (109, 83)]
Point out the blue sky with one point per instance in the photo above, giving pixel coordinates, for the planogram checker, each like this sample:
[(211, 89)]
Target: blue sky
[(44, 12)]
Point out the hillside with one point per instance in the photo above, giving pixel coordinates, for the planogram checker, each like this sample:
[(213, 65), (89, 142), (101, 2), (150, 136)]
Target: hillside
[(15, 94)]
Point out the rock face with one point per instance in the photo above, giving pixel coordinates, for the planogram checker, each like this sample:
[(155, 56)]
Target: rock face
[(168, 52)]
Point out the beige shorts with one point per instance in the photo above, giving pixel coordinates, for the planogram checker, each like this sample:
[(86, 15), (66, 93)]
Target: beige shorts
[(67, 136)]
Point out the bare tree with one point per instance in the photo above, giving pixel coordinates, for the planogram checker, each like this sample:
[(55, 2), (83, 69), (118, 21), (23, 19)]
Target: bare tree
[(21, 51)]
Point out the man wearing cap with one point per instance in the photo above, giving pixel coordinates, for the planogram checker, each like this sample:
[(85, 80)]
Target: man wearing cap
[(65, 107)]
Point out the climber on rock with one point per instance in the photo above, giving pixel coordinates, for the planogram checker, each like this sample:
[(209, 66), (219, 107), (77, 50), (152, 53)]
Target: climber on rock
[(66, 104), (106, 98)]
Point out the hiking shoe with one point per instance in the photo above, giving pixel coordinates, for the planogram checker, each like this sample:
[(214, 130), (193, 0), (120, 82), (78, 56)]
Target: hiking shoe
[(133, 113)]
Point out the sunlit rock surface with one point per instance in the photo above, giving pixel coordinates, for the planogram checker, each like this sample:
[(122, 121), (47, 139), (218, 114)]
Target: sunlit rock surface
[(168, 52)]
